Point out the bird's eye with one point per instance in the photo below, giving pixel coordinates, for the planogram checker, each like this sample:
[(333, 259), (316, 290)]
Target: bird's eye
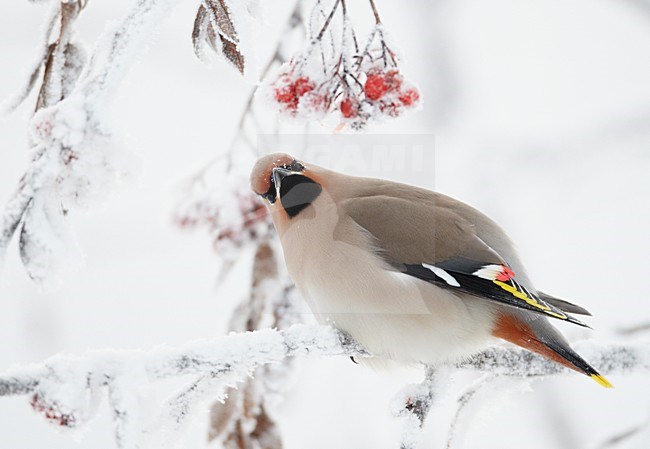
[(295, 166)]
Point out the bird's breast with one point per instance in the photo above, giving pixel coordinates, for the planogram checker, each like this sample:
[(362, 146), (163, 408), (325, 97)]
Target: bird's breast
[(346, 284)]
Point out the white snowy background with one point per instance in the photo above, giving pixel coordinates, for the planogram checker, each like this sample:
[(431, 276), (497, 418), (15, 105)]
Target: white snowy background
[(541, 117)]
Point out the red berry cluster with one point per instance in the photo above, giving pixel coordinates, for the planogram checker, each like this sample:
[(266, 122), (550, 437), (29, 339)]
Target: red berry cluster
[(294, 93), (52, 412), (384, 93), (253, 224), (336, 72)]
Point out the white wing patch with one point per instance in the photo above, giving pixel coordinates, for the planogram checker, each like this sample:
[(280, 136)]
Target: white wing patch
[(489, 272), (442, 274)]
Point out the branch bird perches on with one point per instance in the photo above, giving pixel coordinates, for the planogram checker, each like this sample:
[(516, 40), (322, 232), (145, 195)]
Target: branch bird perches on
[(230, 359)]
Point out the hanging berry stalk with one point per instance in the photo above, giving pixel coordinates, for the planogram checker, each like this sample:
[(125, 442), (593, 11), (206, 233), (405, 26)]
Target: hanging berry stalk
[(332, 76)]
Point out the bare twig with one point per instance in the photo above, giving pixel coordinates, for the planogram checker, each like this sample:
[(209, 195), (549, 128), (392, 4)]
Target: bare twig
[(321, 33), (375, 12), (634, 330), (622, 437)]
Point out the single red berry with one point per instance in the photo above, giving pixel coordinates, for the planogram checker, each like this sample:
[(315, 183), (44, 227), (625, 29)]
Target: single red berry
[(409, 96), (375, 87), (349, 108), (302, 85), (393, 80)]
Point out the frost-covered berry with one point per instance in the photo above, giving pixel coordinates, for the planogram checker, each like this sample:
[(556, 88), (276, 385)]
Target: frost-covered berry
[(349, 108), (285, 94), (375, 87), (314, 102), (302, 85), (393, 80), (409, 97), (52, 412)]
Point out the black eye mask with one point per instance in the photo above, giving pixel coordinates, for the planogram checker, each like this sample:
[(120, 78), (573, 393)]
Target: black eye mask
[(297, 192)]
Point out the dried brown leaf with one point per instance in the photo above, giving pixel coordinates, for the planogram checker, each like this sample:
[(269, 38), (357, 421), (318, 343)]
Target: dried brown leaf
[(214, 26), (232, 53), (201, 22), (266, 432), (221, 18), (222, 415)]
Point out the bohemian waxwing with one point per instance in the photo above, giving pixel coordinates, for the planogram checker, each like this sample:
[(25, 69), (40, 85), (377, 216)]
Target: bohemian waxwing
[(412, 275)]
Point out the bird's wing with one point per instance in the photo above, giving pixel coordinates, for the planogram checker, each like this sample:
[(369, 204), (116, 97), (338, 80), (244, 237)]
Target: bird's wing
[(426, 235), (563, 304)]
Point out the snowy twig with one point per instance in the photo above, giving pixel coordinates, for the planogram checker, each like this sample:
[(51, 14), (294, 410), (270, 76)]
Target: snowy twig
[(521, 363), (621, 438), (63, 387), (280, 55), (412, 404), (634, 330)]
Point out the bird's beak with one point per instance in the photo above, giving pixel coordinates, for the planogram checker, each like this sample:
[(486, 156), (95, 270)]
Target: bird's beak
[(279, 174)]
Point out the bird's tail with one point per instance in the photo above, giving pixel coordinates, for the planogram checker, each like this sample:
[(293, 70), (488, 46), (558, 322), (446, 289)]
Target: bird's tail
[(572, 360), (539, 336)]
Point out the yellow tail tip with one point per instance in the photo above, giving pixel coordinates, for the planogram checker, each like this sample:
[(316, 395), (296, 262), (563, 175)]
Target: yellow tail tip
[(601, 380)]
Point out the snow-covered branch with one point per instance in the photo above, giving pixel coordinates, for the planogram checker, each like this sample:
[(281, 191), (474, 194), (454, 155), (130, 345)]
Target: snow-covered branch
[(610, 359), (413, 404), (73, 157), (65, 388), (233, 355)]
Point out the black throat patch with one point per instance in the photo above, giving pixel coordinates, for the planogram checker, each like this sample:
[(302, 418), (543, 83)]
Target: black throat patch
[(297, 192)]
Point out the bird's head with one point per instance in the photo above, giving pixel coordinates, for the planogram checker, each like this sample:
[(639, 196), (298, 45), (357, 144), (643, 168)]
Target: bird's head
[(287, 184)]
